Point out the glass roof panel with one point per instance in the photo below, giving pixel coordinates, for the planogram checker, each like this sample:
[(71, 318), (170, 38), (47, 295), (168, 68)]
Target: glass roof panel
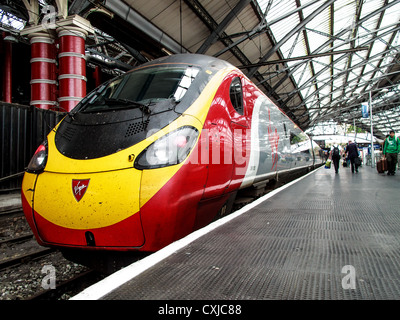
[(344, 25), (10, 20), (343, 14)]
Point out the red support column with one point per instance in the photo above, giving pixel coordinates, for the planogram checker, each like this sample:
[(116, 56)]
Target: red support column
[(72, 67), (43, 71), (97, 76), (7, 73)]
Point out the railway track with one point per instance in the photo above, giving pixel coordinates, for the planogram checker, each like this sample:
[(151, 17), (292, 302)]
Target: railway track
[(13, 224), (22, 262), (20, 259), (68, 287), (22, 277)]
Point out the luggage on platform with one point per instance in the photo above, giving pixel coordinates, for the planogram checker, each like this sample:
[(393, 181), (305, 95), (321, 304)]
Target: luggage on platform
[(328, 164), (381, 165)]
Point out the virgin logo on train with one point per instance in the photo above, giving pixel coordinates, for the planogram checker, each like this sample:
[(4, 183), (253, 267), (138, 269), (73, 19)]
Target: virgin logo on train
[(79, 188)]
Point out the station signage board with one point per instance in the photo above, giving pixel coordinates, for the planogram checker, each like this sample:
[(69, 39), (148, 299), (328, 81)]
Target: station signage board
[(365, 109)]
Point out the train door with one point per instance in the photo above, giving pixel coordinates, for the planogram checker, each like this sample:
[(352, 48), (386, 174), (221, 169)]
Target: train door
[(285, 151), (240, 129), (226, 125), (219, 141), (269, 135)]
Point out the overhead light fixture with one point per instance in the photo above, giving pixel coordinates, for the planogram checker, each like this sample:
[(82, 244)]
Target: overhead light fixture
[(166, 51)]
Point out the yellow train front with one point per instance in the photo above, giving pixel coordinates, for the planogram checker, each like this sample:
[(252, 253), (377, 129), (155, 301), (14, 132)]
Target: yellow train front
[(109, 176)]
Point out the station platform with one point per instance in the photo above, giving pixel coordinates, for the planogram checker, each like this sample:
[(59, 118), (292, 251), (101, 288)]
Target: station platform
[(324, 236), (10, 201)]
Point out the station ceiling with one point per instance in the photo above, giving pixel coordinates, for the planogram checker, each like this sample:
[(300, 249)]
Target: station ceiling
[(319, 60)]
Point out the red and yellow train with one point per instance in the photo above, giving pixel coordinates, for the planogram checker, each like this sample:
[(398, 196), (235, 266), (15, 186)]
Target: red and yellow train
[(157, 153)]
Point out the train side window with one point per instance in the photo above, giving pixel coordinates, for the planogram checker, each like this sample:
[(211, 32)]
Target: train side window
[(236, 95)]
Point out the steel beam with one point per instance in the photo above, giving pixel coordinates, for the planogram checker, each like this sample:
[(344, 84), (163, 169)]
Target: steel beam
[(324, 69), (299, 27), (261, 28), (305, 58), (125, 12), (329, 42), (222, 26)]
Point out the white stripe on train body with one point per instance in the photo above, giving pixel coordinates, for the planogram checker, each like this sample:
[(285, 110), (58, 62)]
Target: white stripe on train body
[(277, 144)]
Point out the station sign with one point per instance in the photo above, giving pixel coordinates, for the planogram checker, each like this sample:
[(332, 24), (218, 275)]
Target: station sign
[(365, 109)]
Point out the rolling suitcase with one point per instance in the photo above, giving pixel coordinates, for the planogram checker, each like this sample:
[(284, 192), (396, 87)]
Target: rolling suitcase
[(381, 166), (384, 165)]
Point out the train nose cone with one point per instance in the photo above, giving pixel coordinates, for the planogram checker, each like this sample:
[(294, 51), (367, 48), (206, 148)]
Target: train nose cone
[(94, 209)]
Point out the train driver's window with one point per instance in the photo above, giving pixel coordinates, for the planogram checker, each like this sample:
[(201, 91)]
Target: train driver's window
[(236, 95)]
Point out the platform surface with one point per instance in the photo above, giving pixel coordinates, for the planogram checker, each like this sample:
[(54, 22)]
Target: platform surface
[(328, 236)]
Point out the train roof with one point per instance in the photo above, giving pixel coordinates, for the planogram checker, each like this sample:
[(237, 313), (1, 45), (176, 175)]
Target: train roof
[(201, 60)]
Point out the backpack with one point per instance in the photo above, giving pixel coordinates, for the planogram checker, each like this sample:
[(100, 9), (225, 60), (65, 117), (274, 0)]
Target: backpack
[(336, 152)]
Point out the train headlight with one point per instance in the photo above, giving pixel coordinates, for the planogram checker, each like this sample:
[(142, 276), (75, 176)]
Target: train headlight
[(169, 150), (39, 159)]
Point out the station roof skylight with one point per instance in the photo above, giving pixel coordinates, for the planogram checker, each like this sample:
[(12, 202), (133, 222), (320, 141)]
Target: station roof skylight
[(364, 39), (317, 59)]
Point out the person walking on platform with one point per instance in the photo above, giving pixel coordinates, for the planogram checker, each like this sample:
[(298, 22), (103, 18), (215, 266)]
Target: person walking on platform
[(352, 153), (390, 149), (336, 152)]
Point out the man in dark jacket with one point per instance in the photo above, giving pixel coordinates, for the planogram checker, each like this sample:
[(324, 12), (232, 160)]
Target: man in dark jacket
[(352, 153), (391, 147), (336, 153)]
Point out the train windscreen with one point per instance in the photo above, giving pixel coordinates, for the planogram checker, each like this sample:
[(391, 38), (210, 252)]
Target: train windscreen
[(141, 87)]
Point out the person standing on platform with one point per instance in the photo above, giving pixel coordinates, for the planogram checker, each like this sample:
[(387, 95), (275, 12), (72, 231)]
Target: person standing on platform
[(336, 153), (352, 153), (390, 149)]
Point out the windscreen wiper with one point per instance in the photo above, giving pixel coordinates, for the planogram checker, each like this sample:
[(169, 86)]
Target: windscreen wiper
[(129, 103), (123, 101), (104, 103)]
